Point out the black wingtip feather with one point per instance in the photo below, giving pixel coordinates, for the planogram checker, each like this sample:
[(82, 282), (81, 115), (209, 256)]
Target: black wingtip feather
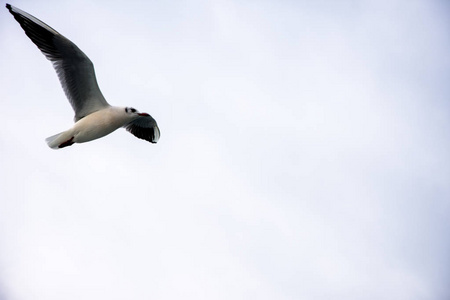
[(150, 134), (39, 35)]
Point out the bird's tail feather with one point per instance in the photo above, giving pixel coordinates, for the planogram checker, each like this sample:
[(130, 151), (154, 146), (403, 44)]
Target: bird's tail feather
[(60, 140)]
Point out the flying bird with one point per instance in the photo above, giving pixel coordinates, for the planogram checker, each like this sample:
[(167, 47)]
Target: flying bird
[(94, 117)]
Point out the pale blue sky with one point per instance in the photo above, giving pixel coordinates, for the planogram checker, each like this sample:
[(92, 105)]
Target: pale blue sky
[(304, 153)]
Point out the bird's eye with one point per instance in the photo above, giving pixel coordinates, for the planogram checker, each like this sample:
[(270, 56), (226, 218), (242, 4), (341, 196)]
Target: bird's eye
[(133, 110), (126, 109)]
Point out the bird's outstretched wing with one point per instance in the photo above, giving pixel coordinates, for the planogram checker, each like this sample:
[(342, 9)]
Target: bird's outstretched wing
[(145, 128), (75, 70)]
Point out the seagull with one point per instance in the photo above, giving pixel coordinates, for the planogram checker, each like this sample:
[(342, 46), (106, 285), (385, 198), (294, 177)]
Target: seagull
[(94, 117)]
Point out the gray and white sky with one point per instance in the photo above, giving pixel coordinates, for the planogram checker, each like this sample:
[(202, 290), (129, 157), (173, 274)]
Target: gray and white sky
[(304, 153)]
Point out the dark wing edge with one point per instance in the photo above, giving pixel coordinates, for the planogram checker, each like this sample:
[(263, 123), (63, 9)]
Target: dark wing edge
[(145, 128), (74, 69)]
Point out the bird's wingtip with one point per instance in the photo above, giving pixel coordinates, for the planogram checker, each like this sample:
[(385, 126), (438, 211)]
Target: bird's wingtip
[(8, 6)]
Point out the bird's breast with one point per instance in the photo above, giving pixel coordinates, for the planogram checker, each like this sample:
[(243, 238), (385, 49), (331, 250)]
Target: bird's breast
[(97, 125)]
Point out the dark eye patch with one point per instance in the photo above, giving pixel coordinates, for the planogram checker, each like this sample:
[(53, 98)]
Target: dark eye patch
[(133, 110)]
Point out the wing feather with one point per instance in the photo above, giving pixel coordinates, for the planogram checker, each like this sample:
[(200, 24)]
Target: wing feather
[(144, 127), (74, 69)]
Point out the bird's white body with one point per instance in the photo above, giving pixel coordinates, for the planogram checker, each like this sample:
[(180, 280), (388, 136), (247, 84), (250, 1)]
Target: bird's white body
[(94, 116), (93, 126)]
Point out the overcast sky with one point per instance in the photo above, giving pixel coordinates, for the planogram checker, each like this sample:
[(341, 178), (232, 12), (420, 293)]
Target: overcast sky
[(304, 153)]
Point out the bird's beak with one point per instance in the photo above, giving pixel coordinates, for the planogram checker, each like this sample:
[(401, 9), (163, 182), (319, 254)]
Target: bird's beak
[(144, 114)]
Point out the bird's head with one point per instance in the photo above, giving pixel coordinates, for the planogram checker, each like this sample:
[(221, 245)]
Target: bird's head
[(134, 112)]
